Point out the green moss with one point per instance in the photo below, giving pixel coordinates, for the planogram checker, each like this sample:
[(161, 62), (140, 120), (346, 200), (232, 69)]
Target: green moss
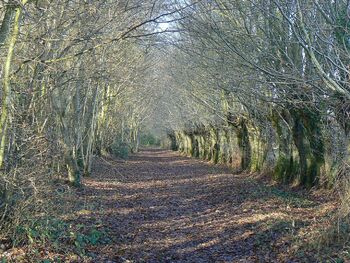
[(258, 150), (222, 147), (201, 146), (173, 142), (309, 142), (213, 145), (195, 146), (285, 168), (244, 144)]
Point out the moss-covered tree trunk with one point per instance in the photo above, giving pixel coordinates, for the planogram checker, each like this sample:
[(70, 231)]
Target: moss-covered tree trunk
[(9, 32), (207, 150), (257, 146), (229, 153), (309, 143), (285, 165), (244, 143), (195, 145), (214, 145), (202, 146), (74, 174), (189, 144), (180, 141), (173, 141)]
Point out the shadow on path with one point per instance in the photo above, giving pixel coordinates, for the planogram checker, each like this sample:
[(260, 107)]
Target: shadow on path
[(161, 207)]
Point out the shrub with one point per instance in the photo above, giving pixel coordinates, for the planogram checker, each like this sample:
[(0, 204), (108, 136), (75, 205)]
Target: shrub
[(120, 149), (149, 139)]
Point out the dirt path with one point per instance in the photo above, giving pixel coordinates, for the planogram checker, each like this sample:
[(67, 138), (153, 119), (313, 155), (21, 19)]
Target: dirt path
[(159, 207)]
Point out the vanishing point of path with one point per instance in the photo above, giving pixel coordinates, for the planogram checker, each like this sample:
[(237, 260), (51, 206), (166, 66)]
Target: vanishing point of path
[(161, 207)]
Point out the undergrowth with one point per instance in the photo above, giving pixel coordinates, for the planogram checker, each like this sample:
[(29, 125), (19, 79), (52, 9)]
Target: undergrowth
[(60, 237), (336, 236), (120, 149)]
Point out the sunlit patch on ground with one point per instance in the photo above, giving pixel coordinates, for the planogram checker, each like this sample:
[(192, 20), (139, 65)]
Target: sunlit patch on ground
[(159, 207)]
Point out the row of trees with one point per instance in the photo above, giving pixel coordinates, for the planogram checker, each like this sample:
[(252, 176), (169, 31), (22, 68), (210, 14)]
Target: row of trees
[(74, 84), (257, 84), (269, 81)]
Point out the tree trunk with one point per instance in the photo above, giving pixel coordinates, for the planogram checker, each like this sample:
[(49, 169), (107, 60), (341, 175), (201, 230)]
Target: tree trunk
[(309, 142), (283, 170), (8, 35), (244, 144), (72, 168)]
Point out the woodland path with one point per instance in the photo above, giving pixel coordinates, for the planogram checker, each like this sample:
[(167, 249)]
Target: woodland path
[(161, 207)]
